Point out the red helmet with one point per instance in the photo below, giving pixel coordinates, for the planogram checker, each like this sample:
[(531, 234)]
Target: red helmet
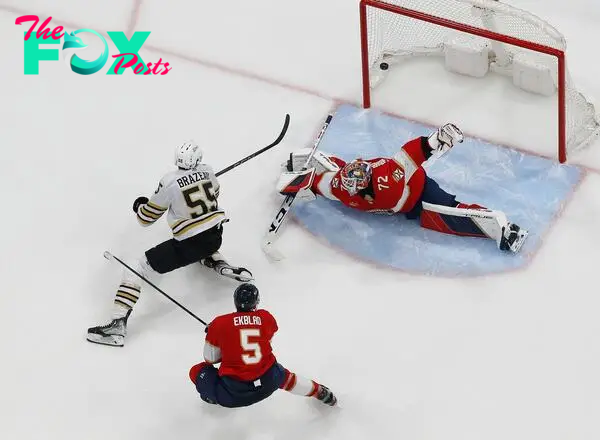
[(356, 176)]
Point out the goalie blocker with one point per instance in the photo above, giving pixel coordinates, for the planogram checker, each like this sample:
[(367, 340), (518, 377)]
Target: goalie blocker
[(406, 189)]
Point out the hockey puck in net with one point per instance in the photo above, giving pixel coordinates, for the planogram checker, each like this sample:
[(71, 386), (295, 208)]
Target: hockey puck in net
[(384, 66)]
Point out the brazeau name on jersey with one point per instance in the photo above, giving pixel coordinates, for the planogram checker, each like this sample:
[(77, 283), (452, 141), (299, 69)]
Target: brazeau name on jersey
[(192, 178)]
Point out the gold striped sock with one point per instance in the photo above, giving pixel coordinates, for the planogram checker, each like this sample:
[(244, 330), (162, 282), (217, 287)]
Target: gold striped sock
[(127, 295)]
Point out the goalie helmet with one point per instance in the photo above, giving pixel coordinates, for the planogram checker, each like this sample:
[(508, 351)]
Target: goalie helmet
[(356, 176), (188, 155), (246, 297)]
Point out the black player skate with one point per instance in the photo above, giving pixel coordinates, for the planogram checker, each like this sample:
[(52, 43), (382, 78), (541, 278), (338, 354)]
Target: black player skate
[(326, 396), (240, 274), (112, 334), (513, 238)]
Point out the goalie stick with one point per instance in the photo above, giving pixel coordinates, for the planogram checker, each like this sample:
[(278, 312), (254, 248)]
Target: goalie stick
[(271, 235)]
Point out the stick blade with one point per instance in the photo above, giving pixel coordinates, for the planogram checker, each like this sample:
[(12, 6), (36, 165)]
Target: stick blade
[(284, 129), (108, 255), (271, 252)]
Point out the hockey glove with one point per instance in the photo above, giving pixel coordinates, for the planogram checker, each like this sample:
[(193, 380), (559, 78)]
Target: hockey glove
[(296, 182), (142, 200), (445, 137)]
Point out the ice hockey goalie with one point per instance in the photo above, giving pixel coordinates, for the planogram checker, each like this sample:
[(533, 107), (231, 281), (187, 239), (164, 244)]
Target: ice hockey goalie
[(399, 185)]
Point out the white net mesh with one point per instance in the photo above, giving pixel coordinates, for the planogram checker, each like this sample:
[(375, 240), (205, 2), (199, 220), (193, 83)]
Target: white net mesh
[(392, 37)]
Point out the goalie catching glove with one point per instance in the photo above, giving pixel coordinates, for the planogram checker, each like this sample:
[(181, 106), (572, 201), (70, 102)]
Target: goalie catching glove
[(445, 137), (399, 185)]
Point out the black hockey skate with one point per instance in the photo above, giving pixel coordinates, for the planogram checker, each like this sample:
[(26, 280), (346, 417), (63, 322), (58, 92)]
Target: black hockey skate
[(240, 274), (326, 396), (112, 334), (513, 238)]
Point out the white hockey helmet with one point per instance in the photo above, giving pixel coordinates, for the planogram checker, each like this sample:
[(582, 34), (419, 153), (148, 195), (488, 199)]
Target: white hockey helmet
[(188, 155)]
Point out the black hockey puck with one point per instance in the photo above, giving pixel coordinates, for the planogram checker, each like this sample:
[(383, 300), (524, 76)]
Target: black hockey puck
[(384, 66)]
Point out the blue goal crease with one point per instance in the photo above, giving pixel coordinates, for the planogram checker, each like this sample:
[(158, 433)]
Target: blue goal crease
[(529, 189)]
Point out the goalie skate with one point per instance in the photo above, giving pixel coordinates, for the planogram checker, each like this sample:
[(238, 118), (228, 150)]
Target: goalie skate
[(112, 334), (240, 274), (513, 238)]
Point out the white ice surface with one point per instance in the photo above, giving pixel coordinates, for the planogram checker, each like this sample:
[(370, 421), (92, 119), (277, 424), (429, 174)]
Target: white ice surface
[(505, 357), (100, 15)]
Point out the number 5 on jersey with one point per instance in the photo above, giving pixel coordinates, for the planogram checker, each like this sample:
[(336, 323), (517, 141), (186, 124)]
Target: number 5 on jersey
[(200, 196), (248, 346)]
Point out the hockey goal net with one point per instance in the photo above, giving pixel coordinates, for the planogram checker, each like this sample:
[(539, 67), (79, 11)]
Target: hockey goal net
[(476, 37)]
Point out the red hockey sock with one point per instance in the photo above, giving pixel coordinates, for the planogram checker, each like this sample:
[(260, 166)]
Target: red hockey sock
[(299, 385)]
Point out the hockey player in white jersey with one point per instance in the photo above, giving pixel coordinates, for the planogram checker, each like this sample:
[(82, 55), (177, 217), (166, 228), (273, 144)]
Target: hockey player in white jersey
[(189, 195)]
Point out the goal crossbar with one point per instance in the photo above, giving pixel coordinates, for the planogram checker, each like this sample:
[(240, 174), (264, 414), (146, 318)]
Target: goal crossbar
[(466, 28)]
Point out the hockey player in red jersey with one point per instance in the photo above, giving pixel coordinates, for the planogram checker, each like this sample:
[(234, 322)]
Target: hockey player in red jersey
[(249, 372), (399, 185)]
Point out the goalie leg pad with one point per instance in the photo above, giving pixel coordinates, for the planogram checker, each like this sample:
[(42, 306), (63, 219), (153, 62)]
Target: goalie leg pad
[(465, 221)]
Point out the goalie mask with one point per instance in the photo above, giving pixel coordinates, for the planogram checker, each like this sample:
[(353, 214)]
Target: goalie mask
[(356, 176)]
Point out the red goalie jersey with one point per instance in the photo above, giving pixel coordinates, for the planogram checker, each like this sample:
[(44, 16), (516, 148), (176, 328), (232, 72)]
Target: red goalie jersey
[(399, 185), (390, 184)]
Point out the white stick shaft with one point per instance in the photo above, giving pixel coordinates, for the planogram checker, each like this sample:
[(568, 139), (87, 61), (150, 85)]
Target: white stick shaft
[(271, 235), (317, 141)]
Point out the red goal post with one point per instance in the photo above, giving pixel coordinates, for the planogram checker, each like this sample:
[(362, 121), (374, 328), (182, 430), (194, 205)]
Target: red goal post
[(398, 7)]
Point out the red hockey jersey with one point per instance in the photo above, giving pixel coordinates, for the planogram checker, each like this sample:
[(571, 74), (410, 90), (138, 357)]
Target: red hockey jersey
[(241, 341), (396, 183)]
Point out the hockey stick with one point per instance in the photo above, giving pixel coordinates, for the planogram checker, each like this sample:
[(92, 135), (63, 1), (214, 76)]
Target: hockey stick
[(286, 124), (277, 141), (271, 235), (110, 256)]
